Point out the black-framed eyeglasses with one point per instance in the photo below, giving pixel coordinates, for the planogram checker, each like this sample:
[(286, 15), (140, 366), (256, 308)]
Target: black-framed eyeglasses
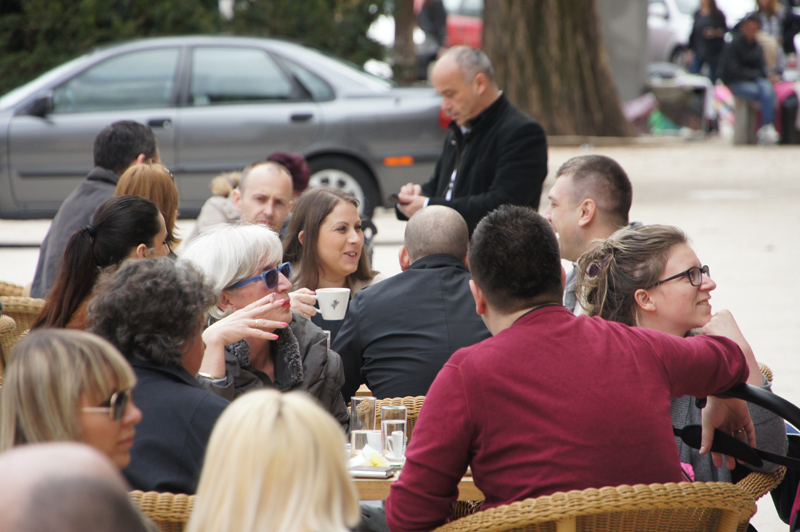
[(694, 274), (116, 405), (270, 277)]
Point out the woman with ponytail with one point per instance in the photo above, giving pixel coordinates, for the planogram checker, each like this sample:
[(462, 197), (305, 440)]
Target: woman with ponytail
[(121, 227), (650, 277)]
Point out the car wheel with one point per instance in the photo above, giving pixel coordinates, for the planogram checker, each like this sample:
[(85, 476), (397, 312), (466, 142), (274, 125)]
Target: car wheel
[(680, 57), (348, 176)]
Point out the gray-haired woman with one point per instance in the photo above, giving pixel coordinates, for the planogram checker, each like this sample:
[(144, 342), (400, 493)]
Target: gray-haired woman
[(255, 340)]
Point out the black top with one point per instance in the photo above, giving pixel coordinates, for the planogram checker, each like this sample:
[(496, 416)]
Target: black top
[(503, 160), (170, 441), (399, 333), (742, 61), (707, 48)]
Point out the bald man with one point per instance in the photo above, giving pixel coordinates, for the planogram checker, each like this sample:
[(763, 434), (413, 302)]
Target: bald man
[(69, 487), (493, 155), (398, 333), (265, 194)]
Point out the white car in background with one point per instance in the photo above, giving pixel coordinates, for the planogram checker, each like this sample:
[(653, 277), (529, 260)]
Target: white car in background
[(669, 24)]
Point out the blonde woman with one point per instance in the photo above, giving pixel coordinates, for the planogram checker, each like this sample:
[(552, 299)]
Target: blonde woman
[(64, 385), (275, 462)]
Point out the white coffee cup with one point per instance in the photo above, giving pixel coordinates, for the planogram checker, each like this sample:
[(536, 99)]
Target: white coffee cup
[(396, 445), (333, 302)]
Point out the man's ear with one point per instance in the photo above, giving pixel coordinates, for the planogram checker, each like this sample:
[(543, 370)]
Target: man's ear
[(141, 158), (301, 236), (588, 211), (477, 295), (237, 199), (403, 258), (644, 301), (481, 82)]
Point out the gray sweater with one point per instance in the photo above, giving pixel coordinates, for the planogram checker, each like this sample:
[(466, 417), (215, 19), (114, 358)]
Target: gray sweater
[(770, 436)]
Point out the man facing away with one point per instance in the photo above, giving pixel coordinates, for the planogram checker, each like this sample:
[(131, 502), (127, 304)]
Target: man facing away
[(398, 334), (69, 487), (553, 401), (117, 147), (493, 155), (744, 71), (590, 200)]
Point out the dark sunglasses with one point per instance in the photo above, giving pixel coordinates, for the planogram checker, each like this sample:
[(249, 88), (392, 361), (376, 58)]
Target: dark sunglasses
[(270, 277), (116, 405), (695, 275)]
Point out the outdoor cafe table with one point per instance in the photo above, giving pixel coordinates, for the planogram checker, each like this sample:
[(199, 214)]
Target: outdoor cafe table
[(377, 489)]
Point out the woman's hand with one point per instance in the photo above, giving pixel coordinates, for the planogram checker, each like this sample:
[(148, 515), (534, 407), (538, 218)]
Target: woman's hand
[(723, 324), (303, 301), (730, 416), (252, 321)]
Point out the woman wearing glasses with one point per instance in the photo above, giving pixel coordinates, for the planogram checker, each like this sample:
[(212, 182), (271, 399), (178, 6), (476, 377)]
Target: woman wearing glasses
[(650, 277), (63, 385), (254, 340)]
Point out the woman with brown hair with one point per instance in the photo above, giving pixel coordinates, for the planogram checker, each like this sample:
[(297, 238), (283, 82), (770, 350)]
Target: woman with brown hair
[(325, 245), (650, 277), (121, 228)]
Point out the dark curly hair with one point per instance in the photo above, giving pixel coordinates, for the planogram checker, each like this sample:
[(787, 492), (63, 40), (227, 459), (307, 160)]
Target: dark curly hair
[(150, 309)]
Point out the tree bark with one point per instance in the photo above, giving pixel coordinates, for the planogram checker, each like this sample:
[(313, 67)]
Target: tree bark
[(405, 62), (550, 60)]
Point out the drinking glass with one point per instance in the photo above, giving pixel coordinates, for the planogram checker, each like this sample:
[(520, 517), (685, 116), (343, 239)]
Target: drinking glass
[(362, 413)]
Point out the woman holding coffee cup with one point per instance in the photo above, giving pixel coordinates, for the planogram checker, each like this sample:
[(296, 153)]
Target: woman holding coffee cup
[(325, 245), (254, 340)]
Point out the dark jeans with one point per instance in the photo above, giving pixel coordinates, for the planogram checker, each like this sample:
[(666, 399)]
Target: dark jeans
[(697, 64)]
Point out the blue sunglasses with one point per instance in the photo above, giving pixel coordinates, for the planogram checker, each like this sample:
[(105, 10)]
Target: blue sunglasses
[(270, 277)]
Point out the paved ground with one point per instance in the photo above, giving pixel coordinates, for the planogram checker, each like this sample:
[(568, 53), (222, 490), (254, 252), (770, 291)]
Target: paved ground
[(740, 206)]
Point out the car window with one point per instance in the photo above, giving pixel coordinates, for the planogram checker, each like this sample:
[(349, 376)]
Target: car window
[(316, 87), (229, 75), (131, 81)]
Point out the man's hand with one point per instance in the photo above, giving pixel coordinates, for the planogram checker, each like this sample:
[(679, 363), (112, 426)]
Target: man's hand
[(730, 416), (410, 199)]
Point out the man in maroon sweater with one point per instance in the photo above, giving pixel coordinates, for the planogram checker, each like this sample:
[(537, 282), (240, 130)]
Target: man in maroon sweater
[(553, 402)]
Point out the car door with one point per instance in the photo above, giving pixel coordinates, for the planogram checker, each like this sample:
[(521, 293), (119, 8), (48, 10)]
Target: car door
[(241, 105), (49, 156)]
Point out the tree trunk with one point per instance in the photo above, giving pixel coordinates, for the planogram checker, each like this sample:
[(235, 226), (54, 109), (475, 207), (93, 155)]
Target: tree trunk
[(405, 62), (550, 60)]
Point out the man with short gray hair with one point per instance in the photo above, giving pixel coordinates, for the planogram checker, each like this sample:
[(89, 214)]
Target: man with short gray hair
[(494, 154), (590, 200), (399, 333)]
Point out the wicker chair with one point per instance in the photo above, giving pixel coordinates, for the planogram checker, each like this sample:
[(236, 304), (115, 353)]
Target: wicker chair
[(169, 511), (684, 507), (9, 289), (24, 311), (412, 404), (8, 335)]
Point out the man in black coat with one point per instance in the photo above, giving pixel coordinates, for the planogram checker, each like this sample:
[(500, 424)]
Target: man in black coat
[(116, 148), (494, 154), (744, 71), (398, 333)]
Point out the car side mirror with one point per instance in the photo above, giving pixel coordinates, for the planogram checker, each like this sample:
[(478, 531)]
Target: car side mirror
[(657, 9), (41, 106)]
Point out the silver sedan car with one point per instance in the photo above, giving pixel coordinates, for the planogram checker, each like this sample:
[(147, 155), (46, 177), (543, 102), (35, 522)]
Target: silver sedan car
[(216, 104)]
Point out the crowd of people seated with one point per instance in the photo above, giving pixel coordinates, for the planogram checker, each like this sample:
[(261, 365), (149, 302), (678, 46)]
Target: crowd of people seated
[(210, 370)]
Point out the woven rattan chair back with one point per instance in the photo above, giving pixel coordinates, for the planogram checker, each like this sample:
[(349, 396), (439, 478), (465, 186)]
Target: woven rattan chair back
[(9, 289), (8, 335), (169, 511), (24, 311), (412, 404), (684, 507)]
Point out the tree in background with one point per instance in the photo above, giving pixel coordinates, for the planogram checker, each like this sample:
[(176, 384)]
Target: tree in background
[(335, 26), (405, 61), (37, 35), (550, 60)]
